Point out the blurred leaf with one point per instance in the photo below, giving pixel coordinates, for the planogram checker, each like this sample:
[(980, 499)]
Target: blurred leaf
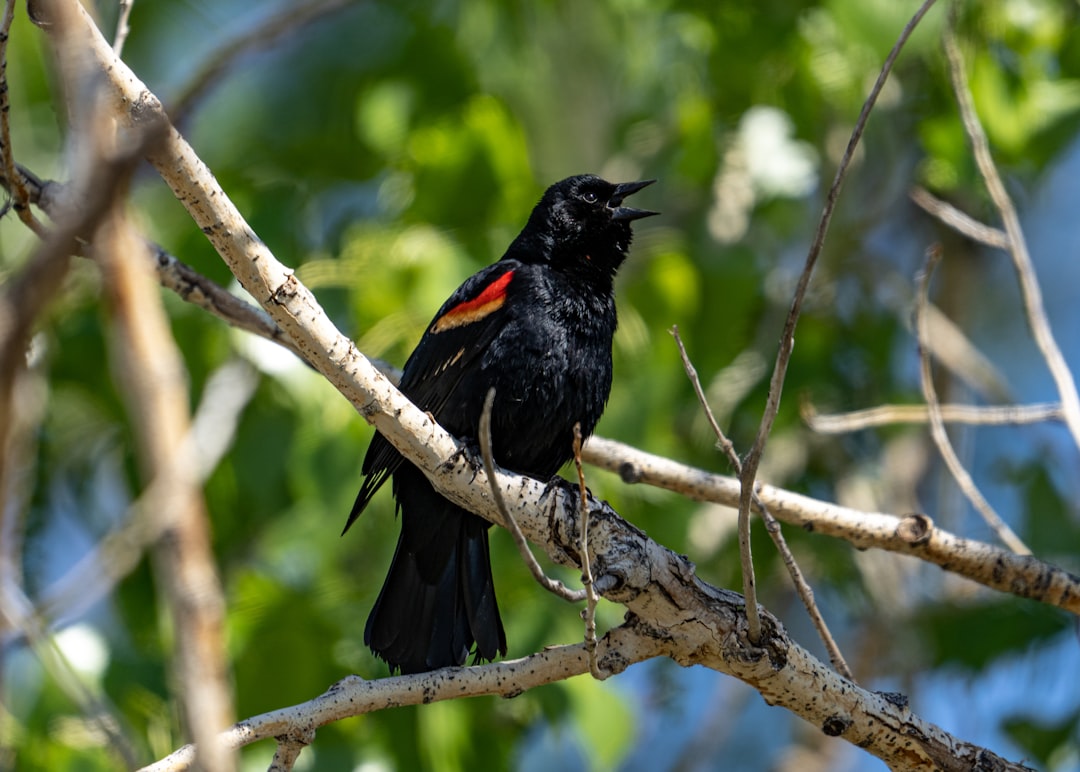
[(974, 635), (1043, 740)]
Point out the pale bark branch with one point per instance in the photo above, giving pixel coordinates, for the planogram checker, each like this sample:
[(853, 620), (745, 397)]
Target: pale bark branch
[(914, 534), (962, 223), (354, 696), (891, 415)]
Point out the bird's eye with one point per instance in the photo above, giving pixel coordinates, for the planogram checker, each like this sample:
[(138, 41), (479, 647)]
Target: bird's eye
[(589, 197)]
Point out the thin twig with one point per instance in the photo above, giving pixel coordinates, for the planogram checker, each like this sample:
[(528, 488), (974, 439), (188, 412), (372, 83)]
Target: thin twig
[(292, 18), (123, 28), (959, 221), (746, 558), (554, 586), (1025, 271), (937, 425), (787, 338), (19, 194), (890, 415), (589, 614), (802, 587)]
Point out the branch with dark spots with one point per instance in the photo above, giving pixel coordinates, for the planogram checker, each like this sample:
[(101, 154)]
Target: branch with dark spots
[(986, 564)]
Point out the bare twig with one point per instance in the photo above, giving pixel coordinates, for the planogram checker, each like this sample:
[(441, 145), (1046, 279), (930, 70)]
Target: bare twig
[(7, 157), (123, 28), (746, 558), (291, 19), (937, 425), (1025, 271), (173, 274), (193, 287), (890, 415), (591, 599), (960, 222), (787, 338), (802, 587), (554, 586)]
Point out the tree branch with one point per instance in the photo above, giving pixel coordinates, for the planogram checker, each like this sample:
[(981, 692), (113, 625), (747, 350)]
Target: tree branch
[(291, 18), (960, 222), (890, 415), (937, 425), (354, 696), (802, 587), (1025, 271), (914, 534)]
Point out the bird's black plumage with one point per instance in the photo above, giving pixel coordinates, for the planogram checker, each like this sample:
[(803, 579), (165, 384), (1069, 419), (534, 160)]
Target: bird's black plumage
[(537, 326)]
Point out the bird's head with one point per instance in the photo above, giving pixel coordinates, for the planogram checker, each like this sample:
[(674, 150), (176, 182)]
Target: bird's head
[(582, 224)]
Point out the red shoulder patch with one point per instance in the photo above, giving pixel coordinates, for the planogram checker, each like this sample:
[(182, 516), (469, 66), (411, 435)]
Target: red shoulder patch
[(469, 311)]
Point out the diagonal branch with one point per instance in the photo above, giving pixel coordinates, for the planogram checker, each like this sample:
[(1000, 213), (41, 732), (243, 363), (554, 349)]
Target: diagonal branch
[(937, 425), (293, 17), (960, 222), (1017, 247), (802, 587)]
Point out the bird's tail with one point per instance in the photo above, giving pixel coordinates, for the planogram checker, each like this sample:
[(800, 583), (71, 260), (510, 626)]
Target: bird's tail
[(439, 595)]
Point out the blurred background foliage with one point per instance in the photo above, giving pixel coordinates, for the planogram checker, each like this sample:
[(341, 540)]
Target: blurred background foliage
[(389, 150)]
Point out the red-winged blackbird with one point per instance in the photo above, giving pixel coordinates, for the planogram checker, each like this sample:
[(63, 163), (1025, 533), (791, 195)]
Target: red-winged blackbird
[(537, 326)]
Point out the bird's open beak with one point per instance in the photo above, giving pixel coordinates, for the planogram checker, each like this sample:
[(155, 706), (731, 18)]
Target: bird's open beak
[(622, 190)]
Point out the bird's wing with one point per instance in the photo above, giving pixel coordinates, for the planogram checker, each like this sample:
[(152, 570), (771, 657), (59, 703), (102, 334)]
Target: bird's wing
[(452, 344)]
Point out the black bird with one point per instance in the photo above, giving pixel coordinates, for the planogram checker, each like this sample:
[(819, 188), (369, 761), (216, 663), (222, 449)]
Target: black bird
[(537, 326)]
